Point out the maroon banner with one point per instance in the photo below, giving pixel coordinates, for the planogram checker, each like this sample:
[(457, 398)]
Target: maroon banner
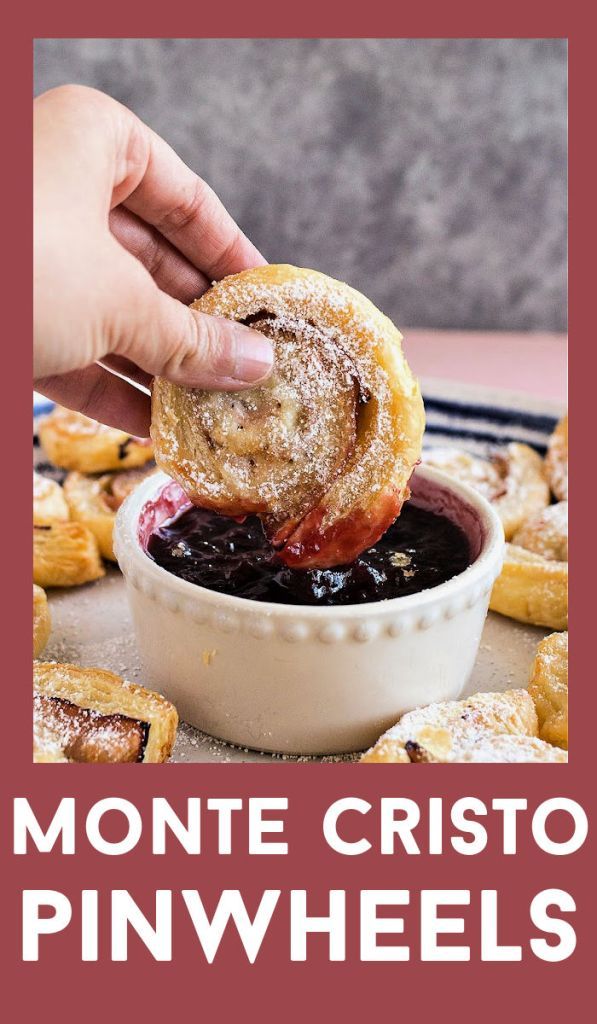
[(502, 880)]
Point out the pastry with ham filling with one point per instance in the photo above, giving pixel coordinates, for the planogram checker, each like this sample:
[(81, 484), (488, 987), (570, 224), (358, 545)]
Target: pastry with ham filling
[(88, 715), (322, 451), (74, 441)]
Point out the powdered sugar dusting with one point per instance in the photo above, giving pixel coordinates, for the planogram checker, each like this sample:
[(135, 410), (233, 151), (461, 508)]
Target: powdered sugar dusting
[(546, 533), (482, 474), (338, 422), (76, 424), (512, 478), (64, 729), (458, 730), (513, 750)]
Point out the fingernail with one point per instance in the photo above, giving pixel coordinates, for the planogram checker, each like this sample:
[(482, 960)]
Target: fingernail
[(253, 355)]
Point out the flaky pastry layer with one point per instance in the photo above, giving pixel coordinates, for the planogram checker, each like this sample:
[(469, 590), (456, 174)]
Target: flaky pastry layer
[(487, 727), (49, 503), (73, 441), (548, 687), (556, 460), (94, 501), (42, 623), (106, 694), (65, 555), (533, 584), (324, 450), (513, 479)]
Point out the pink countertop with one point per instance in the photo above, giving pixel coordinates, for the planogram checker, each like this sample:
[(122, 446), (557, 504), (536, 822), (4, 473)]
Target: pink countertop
[(532, 363)]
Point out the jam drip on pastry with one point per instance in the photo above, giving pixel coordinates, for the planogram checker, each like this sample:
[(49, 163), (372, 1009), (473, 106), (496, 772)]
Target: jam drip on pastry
[(85, 735), (322, 452)]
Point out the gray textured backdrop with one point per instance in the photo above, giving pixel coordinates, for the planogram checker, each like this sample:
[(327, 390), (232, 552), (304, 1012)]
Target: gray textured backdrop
[(430, 174)]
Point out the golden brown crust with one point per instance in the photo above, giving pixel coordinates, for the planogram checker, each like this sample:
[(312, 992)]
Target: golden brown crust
[(546, 533), (65, 555), (107, 695), (73, 441), (49, 503), (324, 450), (548, 687), (86, 501), (487, 727), (513, 479), (533, 584), (447, 731), (556, 460), (94, 501), (42, 623), (532, 589), (516, 750)]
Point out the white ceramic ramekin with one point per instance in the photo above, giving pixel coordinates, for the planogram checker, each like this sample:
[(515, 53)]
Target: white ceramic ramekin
[(306, 680)]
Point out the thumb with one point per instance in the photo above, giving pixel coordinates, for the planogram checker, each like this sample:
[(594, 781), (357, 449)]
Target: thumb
[(168, 339)]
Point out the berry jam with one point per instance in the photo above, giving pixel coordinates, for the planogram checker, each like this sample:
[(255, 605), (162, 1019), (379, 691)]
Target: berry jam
[(419, 551)]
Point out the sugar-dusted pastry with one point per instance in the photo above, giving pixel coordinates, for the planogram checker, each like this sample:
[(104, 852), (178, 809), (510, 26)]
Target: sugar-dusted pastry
[(546, 533), (533, 584), (514, 750), (42, 624), (556, 460), (65, 555), (548, 687), (93, 716), (94, 501), (512, 479), (49, 503), (324, 450), (73, 441), (459, 730)]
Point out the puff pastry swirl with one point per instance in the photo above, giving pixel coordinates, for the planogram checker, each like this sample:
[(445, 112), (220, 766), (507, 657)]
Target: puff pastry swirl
[(548, 687), (73, 441), (65, 554), (42, 623), (487, 727), (93, 716), (556, 460), (533, 584), (324, 450), (94, 501), (49, 503), (512, 479)]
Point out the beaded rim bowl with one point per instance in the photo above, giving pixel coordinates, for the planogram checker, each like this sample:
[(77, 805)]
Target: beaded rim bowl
[(302, 679)]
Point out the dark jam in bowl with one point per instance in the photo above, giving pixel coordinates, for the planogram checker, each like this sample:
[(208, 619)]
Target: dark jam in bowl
[(419, 551)]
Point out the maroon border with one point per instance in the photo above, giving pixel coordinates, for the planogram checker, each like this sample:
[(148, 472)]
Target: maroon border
[(59, 985)]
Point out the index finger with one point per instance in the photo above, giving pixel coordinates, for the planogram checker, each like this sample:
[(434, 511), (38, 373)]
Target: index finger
[(183, 208)]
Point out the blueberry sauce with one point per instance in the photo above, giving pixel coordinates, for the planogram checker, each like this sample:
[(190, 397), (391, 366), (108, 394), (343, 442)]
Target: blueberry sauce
[(420, 550)]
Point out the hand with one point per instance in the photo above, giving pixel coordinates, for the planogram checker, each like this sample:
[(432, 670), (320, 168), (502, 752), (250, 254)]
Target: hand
[(125, 236)]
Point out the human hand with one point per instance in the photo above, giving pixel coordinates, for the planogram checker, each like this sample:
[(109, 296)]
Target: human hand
[(125, 236)]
